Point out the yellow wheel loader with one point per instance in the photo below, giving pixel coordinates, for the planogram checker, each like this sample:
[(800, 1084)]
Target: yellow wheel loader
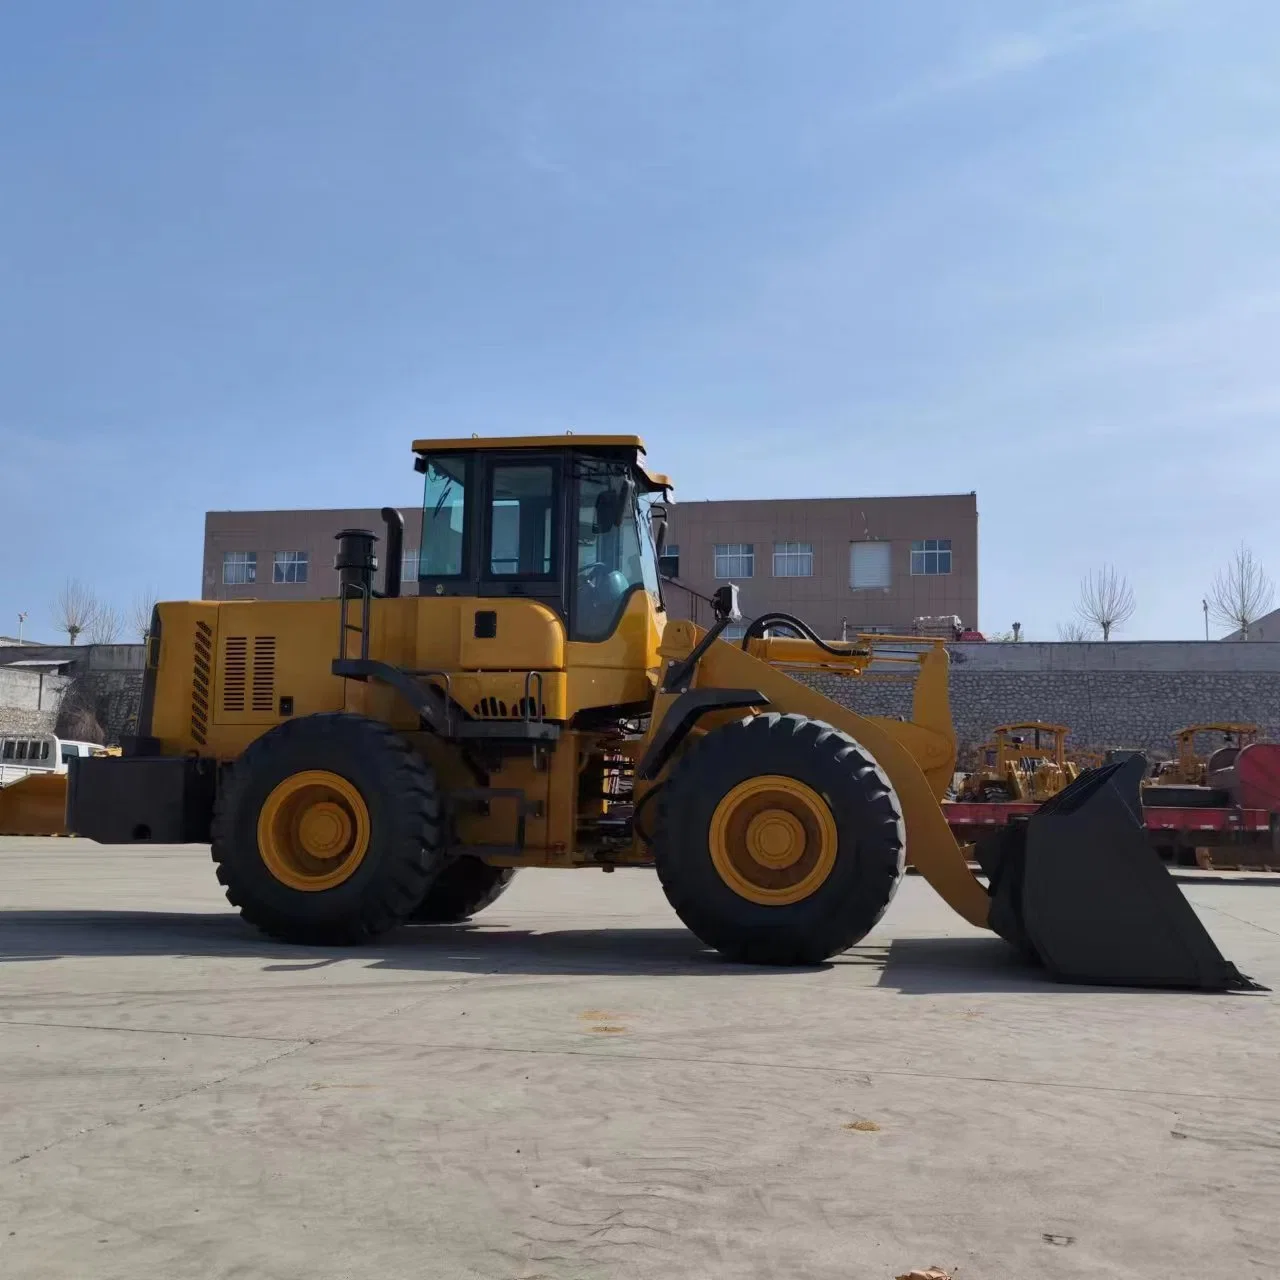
[(391, 756)]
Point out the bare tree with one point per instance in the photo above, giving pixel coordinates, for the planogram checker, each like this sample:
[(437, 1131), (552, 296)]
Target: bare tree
[(74, 609), (1106, 601), (104, 626), (1075, 632), (1241, 593), (140, 613), (77, 715)]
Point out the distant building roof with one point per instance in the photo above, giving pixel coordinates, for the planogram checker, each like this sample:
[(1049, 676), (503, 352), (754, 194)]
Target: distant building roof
[(1267, 627)]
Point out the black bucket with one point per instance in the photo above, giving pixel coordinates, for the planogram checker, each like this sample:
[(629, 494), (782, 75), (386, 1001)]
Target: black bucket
[(1077, 886)]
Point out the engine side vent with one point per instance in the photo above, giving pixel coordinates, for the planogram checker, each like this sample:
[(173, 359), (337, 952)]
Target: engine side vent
[(495, 708), (234, 673), (201, 675), (264, 673)]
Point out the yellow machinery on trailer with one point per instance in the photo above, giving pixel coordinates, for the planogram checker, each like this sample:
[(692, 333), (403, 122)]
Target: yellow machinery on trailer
[(1022, 762), (1189, 767), (389, 756)]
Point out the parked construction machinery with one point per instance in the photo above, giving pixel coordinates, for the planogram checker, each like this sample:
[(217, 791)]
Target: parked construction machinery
[(33, 781), (393, 756), (1190, 766), (1022, 762)]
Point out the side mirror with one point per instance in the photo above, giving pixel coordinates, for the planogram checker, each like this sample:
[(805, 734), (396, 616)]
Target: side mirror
[(612, 505), (658, 522), (724, 603)]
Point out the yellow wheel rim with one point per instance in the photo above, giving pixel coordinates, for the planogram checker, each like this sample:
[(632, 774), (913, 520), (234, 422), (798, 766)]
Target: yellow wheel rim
[(773, 840), (313, 831)]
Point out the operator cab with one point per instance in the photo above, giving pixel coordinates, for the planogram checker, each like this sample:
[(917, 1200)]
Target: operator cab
[(574, 522)]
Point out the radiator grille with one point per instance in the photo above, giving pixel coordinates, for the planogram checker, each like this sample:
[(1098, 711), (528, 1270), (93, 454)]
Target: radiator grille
[(264, 673), (234, 673)]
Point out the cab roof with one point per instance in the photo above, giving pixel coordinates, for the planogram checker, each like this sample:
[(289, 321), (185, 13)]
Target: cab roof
[(471, 444), (566, 441)]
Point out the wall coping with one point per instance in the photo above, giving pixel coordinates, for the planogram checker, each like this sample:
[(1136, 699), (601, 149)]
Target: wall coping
[(1190, 656)]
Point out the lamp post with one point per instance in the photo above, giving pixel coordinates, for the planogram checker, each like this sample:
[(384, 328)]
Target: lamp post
[(1204, 604), (22, 617)]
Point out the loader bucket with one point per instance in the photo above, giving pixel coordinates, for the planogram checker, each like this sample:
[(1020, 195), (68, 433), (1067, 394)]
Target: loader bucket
[(1078, 886), (34, 806)]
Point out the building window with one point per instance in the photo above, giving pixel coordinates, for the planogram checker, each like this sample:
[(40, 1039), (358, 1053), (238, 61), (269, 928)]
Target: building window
[(793, 560), (409, 565), (735, 560), (931, 556), (669, 560), (239, 567), (290, 567), (870, 566), (734, 631)]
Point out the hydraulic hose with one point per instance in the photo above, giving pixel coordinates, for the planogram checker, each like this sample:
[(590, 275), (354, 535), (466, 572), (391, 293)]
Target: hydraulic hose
[(759, 625)]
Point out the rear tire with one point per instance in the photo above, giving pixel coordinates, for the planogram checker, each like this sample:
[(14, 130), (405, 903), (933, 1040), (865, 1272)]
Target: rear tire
[(462, 888), (372, 846), (793, 774)]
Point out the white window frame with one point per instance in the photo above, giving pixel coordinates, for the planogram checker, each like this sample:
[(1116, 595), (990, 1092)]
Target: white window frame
[(793, 559), (734, 560), (409, 563), (734, 630), (930, 557), (290, 568), (242, 566)]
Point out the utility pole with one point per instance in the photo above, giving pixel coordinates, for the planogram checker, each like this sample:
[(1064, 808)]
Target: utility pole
[(1204, 604), (22, 617)]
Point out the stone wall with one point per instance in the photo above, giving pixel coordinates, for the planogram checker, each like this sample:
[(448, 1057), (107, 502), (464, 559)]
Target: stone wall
[(29, 700), (106, 680), (114, 698), (1122, 694)]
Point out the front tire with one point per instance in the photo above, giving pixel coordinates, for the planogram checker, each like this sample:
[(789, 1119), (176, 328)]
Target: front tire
[(327, 830), (779, 840)]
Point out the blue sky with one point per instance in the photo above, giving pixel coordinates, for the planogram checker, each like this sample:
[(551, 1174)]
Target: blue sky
[(249, 251)]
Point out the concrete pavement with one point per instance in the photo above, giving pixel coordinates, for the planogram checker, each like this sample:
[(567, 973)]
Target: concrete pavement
[(574, 1087)]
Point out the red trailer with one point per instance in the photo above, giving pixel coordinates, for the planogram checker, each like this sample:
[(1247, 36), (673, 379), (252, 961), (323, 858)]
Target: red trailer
[(1233, 822)]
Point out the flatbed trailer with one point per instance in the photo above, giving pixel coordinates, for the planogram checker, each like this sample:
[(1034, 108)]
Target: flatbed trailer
[(1227, 836)]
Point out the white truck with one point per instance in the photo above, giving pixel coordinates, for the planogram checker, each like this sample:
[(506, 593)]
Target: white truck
[(22, 754)]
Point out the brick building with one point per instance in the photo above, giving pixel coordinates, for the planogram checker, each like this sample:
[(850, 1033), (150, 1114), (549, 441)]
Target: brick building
[(860, 563), (864, 563)]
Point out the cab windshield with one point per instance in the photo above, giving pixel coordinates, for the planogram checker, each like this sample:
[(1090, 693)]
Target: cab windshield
[(615, 553)]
